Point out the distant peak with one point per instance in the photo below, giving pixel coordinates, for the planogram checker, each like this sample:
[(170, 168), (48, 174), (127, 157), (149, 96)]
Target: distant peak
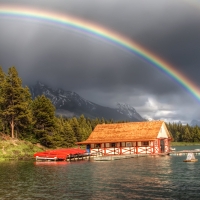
[(125, 106), (40, 84)]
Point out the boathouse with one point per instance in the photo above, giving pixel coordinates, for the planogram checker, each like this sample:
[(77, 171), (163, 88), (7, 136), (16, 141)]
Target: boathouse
[(149, 137)]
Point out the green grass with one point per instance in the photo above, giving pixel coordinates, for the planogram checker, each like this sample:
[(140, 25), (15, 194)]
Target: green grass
[(18, 150), (184, 143)]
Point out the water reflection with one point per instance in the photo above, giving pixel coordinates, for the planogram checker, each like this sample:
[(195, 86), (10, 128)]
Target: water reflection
[(166, 177), (51, 163)]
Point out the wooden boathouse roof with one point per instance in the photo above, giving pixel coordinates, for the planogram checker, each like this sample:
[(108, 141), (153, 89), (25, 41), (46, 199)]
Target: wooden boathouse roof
[(126, 132)]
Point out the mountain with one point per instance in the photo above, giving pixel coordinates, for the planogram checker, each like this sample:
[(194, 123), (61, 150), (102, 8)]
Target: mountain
[(70, 104), (129, 111), (195, 122)]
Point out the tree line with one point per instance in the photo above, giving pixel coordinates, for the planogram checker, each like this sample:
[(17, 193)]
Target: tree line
[(34, 119), (184, 133)]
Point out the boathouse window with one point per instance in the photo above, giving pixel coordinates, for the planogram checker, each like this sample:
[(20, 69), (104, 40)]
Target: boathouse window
[(107, 145), (112, 145), (129, 144), (145, 143), (97, 145), (123, 144)]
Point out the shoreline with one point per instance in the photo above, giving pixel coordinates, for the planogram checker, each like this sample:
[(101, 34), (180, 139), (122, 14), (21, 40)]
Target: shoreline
[(11, 150), (185, 144), (14, 150)]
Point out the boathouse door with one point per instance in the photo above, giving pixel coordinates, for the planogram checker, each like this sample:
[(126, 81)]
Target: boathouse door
[(88, 148), (162, 146)]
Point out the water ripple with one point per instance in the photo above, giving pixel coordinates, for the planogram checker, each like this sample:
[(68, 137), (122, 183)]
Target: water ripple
[(166, 177)]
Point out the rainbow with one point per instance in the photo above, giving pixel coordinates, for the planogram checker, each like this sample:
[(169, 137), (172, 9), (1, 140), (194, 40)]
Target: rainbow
[(106, 34)]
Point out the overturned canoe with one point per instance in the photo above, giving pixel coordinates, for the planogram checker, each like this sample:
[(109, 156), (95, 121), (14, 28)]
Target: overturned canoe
[(59, 154), (190, 158)]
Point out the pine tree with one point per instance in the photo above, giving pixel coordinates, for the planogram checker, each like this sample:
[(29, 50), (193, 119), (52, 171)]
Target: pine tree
[(94, 122), (69, 135), (65, 135), (196, 131), (15, 101), (176, 136), (44, 118), (2, 82), (85, 128), (76, 128), (187, 135)]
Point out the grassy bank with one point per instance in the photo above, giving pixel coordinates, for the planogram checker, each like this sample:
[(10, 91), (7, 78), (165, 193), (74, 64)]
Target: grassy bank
[(17, 150), (184, 143)]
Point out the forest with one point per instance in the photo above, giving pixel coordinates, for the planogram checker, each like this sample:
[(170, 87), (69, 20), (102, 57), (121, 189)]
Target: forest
[(35, 120), (184, 133)]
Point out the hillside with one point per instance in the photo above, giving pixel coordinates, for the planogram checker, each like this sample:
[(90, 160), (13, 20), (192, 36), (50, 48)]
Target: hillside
[(17, 149)]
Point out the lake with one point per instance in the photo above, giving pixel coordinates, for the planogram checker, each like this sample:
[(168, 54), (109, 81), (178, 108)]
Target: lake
[(156, 177)]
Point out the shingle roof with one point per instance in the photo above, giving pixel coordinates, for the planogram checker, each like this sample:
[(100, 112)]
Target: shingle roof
[(124, 132)]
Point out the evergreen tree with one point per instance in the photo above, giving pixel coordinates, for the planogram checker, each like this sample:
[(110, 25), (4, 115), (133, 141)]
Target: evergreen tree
[(15, 101), (76, 128), (196, 131), (2, 82), (102, 121), (85, 128), (94, 122), (44, 119), (186, 137), (65, 134), (69, 135), (25, 125), (176, 136)]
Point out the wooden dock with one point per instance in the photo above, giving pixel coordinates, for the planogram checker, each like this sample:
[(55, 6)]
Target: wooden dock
[(118, 157), (97, 157), (184, 152)]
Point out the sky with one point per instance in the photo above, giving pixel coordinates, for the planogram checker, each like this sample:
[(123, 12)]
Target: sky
[(103, 72)]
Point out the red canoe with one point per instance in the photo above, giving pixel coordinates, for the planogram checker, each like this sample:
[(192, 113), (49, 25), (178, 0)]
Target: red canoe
[(59, 154)]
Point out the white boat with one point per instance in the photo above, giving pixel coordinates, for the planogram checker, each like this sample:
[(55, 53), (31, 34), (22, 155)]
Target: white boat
[(172, 149), (190, 158)]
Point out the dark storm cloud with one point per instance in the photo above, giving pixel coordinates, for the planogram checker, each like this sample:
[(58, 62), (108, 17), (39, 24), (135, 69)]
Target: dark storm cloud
[(103, 67), (100, 71)]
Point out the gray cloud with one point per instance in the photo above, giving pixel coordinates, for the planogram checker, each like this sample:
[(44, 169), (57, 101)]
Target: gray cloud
[(100, 71)]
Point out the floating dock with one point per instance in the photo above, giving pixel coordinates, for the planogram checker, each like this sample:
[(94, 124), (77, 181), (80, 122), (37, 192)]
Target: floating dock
[(184, 152), (70, 154), (118, 157)]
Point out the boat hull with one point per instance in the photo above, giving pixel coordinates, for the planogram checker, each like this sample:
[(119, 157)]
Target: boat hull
[(192, 160)]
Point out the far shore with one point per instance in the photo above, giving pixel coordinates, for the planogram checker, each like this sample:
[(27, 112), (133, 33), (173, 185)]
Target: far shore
[(185, 143)]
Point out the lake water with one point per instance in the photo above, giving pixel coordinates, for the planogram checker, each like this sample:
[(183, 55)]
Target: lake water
[(158, 177)]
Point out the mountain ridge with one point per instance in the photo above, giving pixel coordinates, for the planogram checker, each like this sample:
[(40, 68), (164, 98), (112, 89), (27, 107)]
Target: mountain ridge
[(195, 122), (69, 104)]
